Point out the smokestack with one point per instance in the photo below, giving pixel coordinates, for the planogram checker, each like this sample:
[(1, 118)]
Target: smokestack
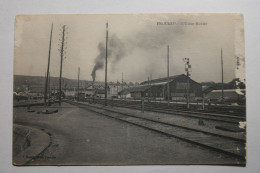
[(119, 52), (93, 74)]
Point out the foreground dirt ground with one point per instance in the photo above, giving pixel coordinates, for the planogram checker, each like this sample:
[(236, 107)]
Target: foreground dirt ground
[(80, 137)]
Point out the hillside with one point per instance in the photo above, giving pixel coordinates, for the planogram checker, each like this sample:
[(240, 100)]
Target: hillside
[(22, 82)]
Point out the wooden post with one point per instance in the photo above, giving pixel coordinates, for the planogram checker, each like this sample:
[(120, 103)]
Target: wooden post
[(203, 102), (78, 82), (188, 83), (188, 91), (142, 104), (49, 86), (168, 81), (149, 90), (117, 89), (222, 74), (106, 65), (48, 69), (61, 60), (122, 85)]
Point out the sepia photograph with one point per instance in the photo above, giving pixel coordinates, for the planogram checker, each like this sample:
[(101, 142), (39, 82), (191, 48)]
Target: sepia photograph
[(129, 89)]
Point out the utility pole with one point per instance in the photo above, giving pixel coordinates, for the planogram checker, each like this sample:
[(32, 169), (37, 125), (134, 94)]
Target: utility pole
[(168, 80), (122, 84), (48, 68), (117, 88), (188, 88), (45, 100), (106, 65), (149, 89), (188, 69), (150, 85), (85, 89), (49, 86), (78, 81), (61, 60), (222, 74)]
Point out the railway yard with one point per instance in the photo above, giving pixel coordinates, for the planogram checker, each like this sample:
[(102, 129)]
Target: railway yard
[(130, 101), (125, 132)]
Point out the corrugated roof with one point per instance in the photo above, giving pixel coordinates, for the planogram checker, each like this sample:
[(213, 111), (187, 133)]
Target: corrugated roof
[(159, 80), (140, 88)]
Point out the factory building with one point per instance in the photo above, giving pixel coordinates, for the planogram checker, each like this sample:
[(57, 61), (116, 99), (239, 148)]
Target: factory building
[(178, 88)]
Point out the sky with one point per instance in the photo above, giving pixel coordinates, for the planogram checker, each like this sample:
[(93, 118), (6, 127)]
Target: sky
[(137, 45)]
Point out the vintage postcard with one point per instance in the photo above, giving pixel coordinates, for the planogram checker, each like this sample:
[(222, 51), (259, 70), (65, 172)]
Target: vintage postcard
[(129, 89)]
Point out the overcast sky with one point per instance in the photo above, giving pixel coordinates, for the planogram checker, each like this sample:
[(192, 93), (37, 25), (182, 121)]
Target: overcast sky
[(137, 45)]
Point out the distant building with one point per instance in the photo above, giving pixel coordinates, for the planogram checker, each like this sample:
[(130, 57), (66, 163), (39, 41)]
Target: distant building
[(230, 95), (139, 91), (89, 91), (157, 88), (70, 92), (98, 90), (125, 94)]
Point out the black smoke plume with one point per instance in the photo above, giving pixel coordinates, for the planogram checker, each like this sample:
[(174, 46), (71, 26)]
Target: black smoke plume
[(115, 52), (99, 61), (147, 39)]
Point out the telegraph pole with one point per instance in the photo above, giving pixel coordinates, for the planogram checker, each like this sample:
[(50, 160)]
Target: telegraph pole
[(45, 92), (48, 68), (188, 68), (78, 81), (117, 88), (150, 85), (106, 65), (168, 74), (222, 74), (188, 88), (49, 85), (149, 89), (61, 60), (122, 81)]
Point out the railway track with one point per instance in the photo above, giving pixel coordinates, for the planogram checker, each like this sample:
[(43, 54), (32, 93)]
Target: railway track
[(233, 147), (228, 111), (167, 110)]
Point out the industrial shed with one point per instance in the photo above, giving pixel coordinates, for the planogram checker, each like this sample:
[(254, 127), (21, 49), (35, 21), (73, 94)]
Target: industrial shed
[(157, 88), (138, 91), (235, 95)]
